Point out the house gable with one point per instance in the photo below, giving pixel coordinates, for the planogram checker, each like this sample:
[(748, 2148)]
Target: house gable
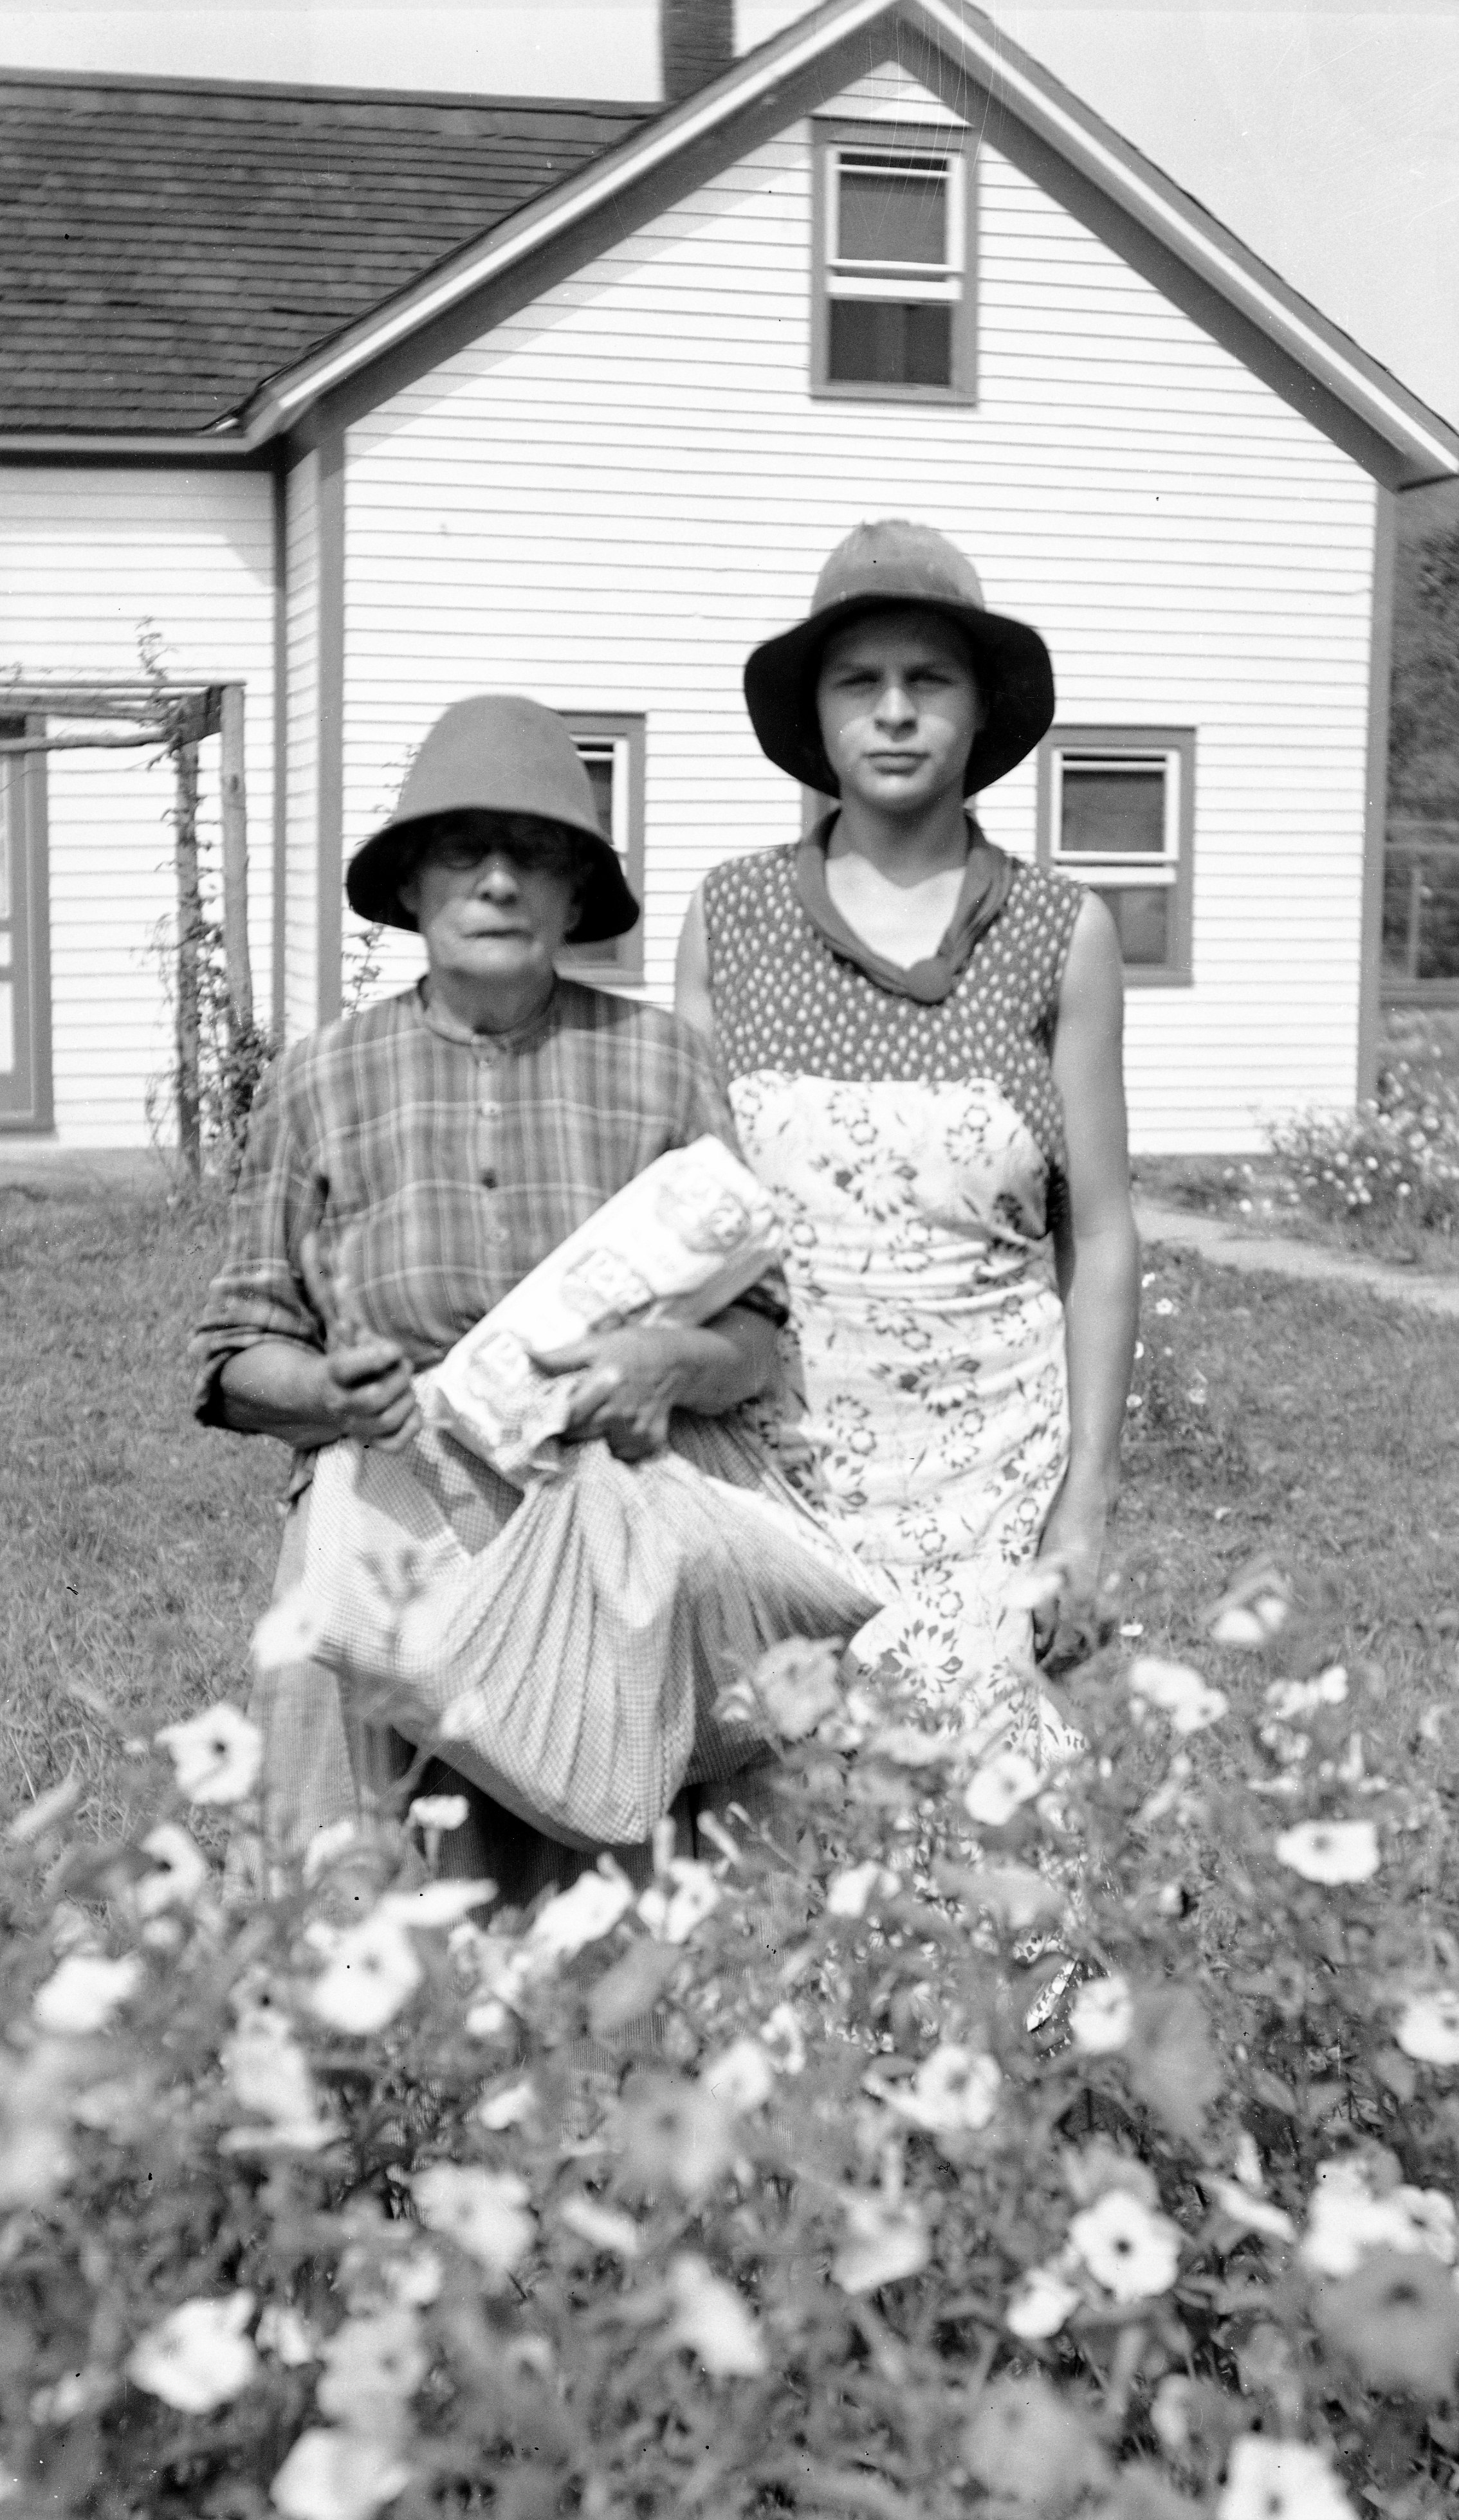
[(959, 59)]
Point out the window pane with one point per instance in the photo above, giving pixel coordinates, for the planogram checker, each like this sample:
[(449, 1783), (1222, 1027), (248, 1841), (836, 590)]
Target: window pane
[(891, 215), (1438, 917), (1400, 876), (1141, 916), (874, 343), (7, 1029), (5, 778), (1114, 811), (597, 761)]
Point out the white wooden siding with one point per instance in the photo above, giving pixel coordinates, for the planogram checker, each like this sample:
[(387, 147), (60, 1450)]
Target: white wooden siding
[(301, 841), (609, 498), (88, 561)]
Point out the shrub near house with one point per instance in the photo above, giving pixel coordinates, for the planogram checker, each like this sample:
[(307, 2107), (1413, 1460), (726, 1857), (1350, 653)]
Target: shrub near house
[(327, 2207)]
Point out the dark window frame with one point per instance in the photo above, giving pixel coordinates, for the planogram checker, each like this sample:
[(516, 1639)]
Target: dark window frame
[(889, 141), (31, 1110), (622, 958), (1175, 742)]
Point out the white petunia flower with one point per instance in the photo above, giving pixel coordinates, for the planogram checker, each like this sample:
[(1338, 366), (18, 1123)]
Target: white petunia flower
[(268, 2072), (1330, 1851), (742, 2076), (288, 1632), (198, 2357), (336, 2475), (886, 2241), (1289, 1701), (508, 2108), (955, 2089), (85, 1991), (849, 1894), (1001, 1785), (673, 1914), (1427, 2027), (1253, 2212), (286, 2334), (712, 2320), (330, 1846), (1345, 2219), (484, 2211), (439, 1811), (1280, 2480), (579, 1916), (436, 1906), (180, 1872), (1132, 2252), (1238, 1626), (1427, 2217), (783, 2039), (372, 1971), (1177, 1692), (216, 1756), (601, 2227), (1042, 2304), (373, 2365), (1102, 2016)]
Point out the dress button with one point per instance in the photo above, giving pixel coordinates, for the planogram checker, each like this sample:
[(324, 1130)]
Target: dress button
[(488, 1179), (496, 1234), (489, 1111)]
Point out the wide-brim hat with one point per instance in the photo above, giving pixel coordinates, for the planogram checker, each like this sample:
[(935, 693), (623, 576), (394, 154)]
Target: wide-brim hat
[(494, 754), (879, 566)]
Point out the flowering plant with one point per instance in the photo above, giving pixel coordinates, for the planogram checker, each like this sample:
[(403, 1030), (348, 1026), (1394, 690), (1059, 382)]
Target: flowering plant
[(969, 2137)]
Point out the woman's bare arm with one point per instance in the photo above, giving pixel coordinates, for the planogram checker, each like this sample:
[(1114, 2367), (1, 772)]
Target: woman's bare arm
[(280, 1387), (694, 1004), (1096, 1249)]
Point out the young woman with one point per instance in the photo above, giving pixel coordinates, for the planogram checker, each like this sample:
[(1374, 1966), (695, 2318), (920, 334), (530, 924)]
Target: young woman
[(922, 1038)]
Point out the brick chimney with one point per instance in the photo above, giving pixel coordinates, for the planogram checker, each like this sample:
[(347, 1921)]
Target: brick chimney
[(695, 42)]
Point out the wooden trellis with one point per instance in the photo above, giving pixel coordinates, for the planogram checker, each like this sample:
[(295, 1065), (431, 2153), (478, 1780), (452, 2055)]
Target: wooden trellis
[(174, 718)]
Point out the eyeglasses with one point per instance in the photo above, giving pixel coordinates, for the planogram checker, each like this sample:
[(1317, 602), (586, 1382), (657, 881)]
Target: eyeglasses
[(537, 852)]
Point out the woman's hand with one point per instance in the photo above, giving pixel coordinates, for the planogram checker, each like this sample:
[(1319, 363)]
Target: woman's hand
[(277, 1387), (1073, 1547), (368, 1390), (633, 1379)]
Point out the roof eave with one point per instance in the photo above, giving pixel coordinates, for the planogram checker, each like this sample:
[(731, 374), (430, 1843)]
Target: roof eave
[(230, 445)]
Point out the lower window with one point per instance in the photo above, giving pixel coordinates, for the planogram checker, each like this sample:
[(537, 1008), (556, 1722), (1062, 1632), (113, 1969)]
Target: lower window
[(611, 744), (1116, 810)]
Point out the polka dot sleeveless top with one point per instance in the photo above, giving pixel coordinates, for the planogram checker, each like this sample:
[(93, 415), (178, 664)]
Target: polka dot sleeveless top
[(786, 998)]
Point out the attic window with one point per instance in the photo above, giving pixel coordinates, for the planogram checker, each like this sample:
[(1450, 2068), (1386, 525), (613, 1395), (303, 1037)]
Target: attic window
[(610, 745), (894, 265), (1116, 812)]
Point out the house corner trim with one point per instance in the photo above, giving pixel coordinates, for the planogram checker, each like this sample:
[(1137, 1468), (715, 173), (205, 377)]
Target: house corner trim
[(328, 937), (1375, 814)]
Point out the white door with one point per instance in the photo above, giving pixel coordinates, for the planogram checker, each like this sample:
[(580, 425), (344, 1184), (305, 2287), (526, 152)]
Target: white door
[(25, 1012)]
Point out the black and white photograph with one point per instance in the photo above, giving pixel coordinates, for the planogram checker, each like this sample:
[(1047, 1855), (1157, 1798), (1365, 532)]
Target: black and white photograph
[(729, 1260)]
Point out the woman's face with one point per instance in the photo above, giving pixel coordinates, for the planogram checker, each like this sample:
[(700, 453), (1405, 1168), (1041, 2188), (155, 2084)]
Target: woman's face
[(495, 904), (900, 708)]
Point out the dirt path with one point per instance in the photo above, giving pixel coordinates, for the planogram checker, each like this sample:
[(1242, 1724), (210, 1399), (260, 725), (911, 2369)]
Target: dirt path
[(1230, 1248)]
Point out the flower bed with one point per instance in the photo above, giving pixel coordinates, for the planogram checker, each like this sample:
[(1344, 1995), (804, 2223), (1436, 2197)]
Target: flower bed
[(986, 2141)]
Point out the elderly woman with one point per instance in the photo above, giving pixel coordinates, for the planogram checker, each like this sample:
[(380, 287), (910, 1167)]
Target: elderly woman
[(922, 1038), (433, 1149)]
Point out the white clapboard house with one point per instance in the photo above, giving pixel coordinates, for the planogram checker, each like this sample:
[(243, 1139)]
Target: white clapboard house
[(354, 403)]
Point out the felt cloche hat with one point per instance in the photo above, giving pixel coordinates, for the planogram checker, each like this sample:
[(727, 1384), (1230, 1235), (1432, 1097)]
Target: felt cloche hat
[(879, 566), (494, 754)]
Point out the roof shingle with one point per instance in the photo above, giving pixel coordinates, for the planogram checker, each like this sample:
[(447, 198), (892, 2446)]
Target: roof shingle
[(165, 247)]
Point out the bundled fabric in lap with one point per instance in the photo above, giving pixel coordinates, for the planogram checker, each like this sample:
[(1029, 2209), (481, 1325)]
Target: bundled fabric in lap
[(681, 1240), (569, 1665)]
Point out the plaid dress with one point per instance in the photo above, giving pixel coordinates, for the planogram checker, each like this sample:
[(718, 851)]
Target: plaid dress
[(438, 1166)]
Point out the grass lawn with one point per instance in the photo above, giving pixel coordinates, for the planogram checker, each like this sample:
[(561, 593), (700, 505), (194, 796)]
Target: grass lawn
[(136, 1550)]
